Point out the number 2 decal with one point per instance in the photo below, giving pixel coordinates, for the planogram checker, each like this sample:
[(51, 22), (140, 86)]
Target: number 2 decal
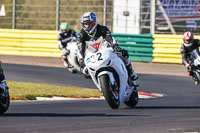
[(99, 56)]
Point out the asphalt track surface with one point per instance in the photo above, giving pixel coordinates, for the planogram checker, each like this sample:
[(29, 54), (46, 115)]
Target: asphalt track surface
[(178, 111)]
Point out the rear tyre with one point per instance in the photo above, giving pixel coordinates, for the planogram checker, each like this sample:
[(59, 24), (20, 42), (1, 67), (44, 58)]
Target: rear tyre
[(133, 100), (72, 70), (110, 92)]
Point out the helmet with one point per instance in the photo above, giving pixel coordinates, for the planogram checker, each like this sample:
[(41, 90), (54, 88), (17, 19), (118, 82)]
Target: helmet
[(64, 27), (89, 22), (188, 39)]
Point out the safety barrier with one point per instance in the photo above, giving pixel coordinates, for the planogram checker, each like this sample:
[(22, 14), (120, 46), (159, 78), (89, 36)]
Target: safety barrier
[(143, 47), (29, 43), (139, 46), (167, 48)]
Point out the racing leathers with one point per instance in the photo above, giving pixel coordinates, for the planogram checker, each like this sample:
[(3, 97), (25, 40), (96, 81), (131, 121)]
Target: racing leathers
[(63, 39), (106, 34), (186, 58)]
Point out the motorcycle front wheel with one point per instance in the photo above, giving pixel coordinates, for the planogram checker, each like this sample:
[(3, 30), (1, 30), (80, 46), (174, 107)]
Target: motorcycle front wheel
[(110, 92), (4, 102)]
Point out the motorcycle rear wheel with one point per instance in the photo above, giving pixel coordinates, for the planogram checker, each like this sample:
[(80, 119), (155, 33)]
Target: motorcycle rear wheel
[(133, 100), (72, 70), (111, 94)]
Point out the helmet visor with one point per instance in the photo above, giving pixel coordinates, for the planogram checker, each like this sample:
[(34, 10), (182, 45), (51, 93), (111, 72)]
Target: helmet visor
[(64, 31), (88, 25), (188, 41)]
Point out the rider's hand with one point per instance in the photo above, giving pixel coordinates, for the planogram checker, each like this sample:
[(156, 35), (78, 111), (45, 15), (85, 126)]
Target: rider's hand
[(117, 48)]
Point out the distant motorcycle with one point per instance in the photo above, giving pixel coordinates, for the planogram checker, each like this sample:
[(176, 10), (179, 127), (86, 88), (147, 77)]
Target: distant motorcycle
[(4, 95), (109, 74), (72, 57), (195, 57)]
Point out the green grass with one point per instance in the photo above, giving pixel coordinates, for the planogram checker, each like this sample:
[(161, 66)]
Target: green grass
[(29, 91)]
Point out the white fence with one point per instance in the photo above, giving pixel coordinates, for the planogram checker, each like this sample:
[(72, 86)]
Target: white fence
[(48, 14), (129, 17)]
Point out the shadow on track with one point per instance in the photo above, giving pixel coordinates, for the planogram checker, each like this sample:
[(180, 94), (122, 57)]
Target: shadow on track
[(63, 115), (166, 107)]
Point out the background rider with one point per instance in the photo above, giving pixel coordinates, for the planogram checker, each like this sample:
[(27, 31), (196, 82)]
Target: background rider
[(65, 35)]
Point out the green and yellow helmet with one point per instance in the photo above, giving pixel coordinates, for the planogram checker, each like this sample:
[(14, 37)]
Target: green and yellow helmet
[(64, 26)]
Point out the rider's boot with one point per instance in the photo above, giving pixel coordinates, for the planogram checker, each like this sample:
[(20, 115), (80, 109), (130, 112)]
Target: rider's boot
[(65, 62), (131, 72)]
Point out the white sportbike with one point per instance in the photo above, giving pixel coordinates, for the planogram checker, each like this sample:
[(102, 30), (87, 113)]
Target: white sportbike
[(72, 57), (109, 74)]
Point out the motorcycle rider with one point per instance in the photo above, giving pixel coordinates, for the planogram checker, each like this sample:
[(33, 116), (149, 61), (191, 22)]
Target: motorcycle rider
[(65, 35), (187, 47), (90, 28)]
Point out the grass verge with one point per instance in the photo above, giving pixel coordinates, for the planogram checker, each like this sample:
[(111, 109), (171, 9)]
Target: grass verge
[(29, 91)]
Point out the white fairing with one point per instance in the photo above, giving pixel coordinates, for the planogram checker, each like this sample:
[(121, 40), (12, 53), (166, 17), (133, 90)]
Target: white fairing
[(196, 62), (73, 56), (104, 58), (197, 57)]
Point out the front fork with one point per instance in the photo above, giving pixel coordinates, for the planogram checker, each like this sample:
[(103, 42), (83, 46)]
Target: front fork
[(111, 77), (197, 74)]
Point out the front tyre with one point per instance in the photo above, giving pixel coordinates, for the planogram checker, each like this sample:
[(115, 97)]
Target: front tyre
[(133, 100), (110, 92)]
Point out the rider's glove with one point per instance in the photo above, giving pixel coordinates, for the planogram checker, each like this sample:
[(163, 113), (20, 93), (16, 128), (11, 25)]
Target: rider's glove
[(123, 51), (117, 48)]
